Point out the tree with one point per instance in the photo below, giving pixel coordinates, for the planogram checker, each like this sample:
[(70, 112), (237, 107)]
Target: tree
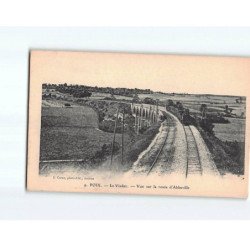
[(239, 100), (179, 106), (82, 94), (149, 100), (203, 110), (226, 108), (170, 103), (186, 112), (112, 96), (136, 98), (207, 125)]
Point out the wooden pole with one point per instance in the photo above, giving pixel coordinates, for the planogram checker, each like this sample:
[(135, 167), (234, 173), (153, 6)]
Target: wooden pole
[(123, 116), (141, 117), (135, 121), (139, 121), (113, 142), (157, 109)]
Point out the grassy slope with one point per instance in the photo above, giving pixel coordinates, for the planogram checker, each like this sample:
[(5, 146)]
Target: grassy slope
[(60, 143), (228, 156), (74, 116), (134, 148), (64, 134)]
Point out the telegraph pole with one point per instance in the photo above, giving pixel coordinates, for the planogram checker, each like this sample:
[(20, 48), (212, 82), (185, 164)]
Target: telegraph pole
[(141, 116), (136, 121), (150, 115), (139, 121), (157, 109), (123, 116), (113, 142)]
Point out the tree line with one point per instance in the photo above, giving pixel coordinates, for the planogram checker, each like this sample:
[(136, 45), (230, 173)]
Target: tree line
[(78, 90)]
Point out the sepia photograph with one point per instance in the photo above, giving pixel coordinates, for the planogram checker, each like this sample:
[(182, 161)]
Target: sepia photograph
[(138, 123), (140, 131)]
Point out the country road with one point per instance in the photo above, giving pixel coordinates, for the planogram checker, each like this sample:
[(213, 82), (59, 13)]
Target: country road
[(176, 149)]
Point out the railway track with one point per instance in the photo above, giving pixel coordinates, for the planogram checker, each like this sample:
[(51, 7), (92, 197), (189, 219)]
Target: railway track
[(193, 166), (164, 154), (181, 150)]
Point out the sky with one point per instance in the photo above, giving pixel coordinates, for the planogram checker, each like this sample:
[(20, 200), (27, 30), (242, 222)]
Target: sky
[(166, 73)]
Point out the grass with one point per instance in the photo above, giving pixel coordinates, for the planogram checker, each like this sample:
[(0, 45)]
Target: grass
[(138, 145), (62, 143), (228, 156), (72, 134), (233, 131), (69, 116)]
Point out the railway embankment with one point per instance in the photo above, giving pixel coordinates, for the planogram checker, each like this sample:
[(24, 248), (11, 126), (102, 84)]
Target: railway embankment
[(228, 156)]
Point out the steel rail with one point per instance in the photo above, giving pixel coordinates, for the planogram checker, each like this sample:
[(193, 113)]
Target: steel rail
[(158, 154), (188, 149)]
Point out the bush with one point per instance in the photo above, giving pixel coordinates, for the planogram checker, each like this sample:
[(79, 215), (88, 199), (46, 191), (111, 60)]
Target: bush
[(105, 151), (170, 103), (217, 118), (207, 125), (149, 100)]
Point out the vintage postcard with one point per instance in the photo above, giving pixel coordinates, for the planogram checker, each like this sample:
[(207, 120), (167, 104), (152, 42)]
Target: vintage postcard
[(138, 124)]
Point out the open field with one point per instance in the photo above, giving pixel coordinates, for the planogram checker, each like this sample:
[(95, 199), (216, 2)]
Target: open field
[(233, 131), (62, 143), (71, 132), (66, 131), (57, 103), (215, 103), (194, 101), (97, 95), (192, 97), (83, 116)]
